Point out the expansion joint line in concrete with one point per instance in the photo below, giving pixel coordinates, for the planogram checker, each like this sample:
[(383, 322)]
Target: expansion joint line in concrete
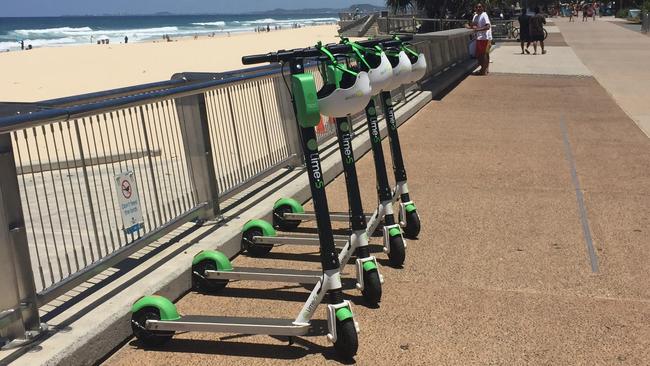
[(580, 198)]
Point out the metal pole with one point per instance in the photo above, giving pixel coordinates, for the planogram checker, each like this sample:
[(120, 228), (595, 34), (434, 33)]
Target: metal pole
[(19, 319), (193, 118)]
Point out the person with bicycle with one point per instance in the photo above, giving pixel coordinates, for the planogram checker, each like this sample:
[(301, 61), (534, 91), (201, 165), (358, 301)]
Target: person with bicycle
[(537, 22), (524, 31)]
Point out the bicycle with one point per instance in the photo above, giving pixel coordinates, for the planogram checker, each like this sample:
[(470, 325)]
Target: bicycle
[(515, 33)]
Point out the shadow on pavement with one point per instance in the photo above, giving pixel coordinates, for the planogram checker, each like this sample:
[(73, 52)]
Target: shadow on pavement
[(296, 347)]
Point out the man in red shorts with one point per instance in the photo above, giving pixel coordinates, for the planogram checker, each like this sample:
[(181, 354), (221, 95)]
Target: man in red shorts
[(481, 25)]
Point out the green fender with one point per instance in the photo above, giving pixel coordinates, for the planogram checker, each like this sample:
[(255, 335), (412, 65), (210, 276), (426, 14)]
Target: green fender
[(267, 229), (394, 232), (220, 259), (410, 207), (369, 266), (167, 308), (296, 207), (343, 314)]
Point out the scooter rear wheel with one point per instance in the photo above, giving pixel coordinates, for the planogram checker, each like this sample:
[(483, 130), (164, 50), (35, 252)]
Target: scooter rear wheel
[(397, 252), (280, 222), (412, 227), (147, 337), (255, 250), (347, 343), (205, 285), (371, 287)]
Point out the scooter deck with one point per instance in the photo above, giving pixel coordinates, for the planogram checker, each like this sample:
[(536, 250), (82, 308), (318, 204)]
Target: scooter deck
[(225, 324), (266, 274), (310, 215), (308, 240)]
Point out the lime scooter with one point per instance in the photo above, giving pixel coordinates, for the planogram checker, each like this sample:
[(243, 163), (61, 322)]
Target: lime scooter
[(289, 214), (404, 54), (336, 99), (155, 318), (259, 236)]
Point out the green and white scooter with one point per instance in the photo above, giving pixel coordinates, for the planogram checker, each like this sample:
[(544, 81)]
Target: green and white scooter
[(259, 236), (155, 319), (403, 55), (288, 215)]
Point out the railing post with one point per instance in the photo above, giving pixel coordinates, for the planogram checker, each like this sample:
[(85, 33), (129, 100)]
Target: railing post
[(289, 125), (19, 319), (193, 119)]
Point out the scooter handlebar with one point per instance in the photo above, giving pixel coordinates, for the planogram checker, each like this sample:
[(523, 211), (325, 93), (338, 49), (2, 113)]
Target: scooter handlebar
[(287, 55), (258, 59), (283, 55)]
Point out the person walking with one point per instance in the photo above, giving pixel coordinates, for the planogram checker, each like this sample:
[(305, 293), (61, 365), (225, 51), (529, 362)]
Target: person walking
[(481, 25), (594, 11), (524, 31), (537, 22)]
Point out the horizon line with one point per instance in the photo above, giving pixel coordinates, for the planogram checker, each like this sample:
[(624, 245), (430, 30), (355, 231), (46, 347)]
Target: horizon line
[(162, 13)]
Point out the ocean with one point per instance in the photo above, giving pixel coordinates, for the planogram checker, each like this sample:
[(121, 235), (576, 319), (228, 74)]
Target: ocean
[(76, 30)]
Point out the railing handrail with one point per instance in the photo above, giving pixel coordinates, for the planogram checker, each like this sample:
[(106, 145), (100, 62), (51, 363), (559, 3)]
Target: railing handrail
[(428, 19)]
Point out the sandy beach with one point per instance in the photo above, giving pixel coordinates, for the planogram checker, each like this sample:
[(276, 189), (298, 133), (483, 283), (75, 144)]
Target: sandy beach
[(46, 73)]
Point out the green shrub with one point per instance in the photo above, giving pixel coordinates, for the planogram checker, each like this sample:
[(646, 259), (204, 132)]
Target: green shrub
[(622, 13), (645, 8)]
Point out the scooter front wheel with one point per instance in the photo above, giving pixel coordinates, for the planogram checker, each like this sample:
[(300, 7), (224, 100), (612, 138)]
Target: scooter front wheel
[(397, 252), (371, 287), (412, 227), (347, 343), (147, 337), (255, 250)]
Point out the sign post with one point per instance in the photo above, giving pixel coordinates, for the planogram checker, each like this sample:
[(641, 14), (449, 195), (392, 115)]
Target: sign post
[(129, 201)]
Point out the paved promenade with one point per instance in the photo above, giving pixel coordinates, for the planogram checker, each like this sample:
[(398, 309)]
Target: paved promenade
[(533, 184), (618, 58)]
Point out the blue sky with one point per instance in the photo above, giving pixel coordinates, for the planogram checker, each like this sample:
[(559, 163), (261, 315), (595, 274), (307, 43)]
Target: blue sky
[(12, 8)]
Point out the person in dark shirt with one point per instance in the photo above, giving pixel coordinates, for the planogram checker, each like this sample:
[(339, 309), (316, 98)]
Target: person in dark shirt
[(524, 31), (537, 22)]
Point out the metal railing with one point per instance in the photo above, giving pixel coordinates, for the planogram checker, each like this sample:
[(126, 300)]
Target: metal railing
[(68, 197), (418, 25), (188, 143), (502, 29), (352, 15)]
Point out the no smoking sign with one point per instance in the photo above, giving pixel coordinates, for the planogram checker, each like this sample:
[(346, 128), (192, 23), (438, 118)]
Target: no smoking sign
[(127, 192), (129, 201)]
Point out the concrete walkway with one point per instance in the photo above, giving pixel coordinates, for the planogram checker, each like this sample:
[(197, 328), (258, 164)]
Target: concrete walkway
[(618, 58), (534, 189)]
